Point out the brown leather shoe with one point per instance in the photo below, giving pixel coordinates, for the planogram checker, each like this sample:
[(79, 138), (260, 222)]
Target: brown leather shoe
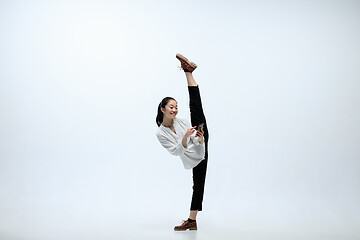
[(186, 225), (186, 64)]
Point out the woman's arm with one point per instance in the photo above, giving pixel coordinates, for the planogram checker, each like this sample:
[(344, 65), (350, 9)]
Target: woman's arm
[(176, 149)]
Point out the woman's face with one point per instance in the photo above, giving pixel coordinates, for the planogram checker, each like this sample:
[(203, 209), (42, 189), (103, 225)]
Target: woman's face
[(170, 110)]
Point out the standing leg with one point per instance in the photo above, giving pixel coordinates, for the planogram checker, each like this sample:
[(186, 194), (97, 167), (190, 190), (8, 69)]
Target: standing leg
[(199, 175)]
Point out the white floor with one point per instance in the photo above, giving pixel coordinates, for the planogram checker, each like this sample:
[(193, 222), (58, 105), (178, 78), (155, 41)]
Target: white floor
[(159, 231), (206, 233)]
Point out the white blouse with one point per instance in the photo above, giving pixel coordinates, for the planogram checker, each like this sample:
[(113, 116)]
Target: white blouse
[(190, 156)]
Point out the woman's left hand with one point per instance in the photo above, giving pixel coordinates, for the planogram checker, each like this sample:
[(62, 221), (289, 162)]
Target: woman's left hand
[(200, 135)]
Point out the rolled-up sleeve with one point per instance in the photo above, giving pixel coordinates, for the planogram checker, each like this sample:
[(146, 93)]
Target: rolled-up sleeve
[(176, 149)]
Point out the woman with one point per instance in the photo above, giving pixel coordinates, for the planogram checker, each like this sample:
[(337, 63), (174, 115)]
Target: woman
[(189, 143)]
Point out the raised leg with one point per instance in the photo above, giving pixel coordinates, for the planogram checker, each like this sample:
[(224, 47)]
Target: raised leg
[(190, 79)]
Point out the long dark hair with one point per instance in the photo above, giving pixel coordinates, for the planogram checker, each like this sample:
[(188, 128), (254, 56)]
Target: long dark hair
[(162, 104)]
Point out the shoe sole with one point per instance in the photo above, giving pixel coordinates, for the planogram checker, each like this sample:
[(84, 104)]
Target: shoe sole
[(191, 229), (181, 57)]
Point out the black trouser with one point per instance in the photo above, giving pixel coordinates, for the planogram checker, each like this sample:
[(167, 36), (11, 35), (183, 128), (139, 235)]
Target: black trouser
[(199, 172)]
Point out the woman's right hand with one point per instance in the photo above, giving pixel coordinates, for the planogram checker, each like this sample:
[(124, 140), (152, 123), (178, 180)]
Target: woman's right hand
[(187, 134), (190, 131)]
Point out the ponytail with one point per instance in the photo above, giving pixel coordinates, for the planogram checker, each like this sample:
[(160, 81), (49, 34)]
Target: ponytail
[(160, 115)]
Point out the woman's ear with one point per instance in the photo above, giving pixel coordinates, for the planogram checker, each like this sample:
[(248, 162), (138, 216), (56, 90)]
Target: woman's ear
[(162, 110)]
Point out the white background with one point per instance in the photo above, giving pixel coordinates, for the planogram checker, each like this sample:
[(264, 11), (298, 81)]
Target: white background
[(80, 82)]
